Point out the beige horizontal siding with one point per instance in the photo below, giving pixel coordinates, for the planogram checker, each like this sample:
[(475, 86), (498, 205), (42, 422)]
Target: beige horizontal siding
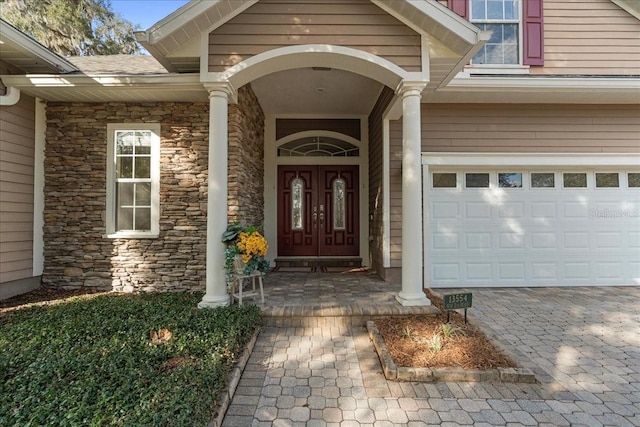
[(271, 24), (513, 128), (589, 37), (16, 189)]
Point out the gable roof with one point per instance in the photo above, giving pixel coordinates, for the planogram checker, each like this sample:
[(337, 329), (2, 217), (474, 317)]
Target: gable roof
[(175, 40), (27, 55)]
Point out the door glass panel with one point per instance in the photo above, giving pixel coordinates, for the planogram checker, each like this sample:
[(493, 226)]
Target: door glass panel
[(338, 204), (634, 179), (543, 180), (510, 180), (444, 180), (608, 180), (477, 180), (575, 180), (297, 207)]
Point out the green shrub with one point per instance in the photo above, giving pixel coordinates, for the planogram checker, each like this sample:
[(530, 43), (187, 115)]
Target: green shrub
[(92, 362)]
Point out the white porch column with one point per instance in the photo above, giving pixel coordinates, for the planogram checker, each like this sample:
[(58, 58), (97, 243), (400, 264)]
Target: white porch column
[(411, 293), (216, 283)]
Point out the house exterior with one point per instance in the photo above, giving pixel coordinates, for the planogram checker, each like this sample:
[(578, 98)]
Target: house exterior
[(443, 143)]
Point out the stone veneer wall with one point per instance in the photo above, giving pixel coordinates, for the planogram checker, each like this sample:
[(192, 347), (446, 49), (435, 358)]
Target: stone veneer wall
[(77, 254), (246, 160)]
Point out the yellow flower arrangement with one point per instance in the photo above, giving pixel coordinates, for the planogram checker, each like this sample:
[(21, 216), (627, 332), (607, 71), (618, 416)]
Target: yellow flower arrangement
[(247, 243), (251, 244)]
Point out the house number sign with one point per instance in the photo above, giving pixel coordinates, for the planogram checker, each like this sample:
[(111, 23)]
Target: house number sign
[(457, 301)]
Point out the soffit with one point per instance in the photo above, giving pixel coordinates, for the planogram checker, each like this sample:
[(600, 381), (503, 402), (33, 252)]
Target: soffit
[(111, 88)]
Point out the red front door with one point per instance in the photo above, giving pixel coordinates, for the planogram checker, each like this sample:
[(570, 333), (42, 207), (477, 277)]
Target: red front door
[(318, 211)]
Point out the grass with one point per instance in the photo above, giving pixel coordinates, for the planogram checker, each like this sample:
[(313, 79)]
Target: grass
[(91, 361)]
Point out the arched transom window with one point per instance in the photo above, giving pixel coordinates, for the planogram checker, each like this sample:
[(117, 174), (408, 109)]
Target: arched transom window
[(318, 146)]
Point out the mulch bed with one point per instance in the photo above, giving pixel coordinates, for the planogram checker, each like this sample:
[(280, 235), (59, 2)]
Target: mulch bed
[(407, 339)]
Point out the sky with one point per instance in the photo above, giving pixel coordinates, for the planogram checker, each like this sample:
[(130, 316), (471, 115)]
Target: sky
[(145, 13)]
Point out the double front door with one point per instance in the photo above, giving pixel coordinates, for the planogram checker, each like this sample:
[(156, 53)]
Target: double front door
[(318, 211)]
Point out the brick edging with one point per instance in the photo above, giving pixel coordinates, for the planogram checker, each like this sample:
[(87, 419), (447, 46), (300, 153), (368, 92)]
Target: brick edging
[(397, 373), (233, 380)]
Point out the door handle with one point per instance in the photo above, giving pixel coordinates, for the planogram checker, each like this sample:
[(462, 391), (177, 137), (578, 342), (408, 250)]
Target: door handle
[(315, 217), (321, 219)]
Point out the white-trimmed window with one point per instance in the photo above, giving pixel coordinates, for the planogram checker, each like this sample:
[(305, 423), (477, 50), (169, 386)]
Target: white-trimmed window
[(133, 180), (503, 19)]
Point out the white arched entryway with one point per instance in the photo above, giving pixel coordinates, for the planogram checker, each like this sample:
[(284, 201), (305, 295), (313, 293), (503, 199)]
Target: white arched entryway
[(408, 85)]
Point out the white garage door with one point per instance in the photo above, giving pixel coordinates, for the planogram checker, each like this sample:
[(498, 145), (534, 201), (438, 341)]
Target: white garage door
[(515, 227)]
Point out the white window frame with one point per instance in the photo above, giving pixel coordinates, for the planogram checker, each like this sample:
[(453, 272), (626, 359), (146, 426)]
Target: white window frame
[(501, 67), (112, 232)]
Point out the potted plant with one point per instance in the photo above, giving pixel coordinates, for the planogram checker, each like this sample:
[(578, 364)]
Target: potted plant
[(246, 249)]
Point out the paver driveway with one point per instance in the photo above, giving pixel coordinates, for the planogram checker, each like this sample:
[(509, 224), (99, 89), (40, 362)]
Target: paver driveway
[(583, 343)]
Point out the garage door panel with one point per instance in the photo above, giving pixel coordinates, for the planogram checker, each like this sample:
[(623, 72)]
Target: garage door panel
[(545, 210), (533, 237), (545, 271), (575, 210), (576, 240), (514, 210), (544, 240), (446, 241), (479, 271), (444, 210), (477, 210), (477, 241)]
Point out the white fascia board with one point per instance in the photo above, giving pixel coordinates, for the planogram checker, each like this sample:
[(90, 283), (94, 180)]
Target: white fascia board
[(447, 18), (464, 81), (83, 80), (191, 11), (35, 48), (530, 159), (178, 18)]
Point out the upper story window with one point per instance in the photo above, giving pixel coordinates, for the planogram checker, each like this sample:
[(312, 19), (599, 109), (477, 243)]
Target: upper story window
[(517, 28), (502, 18), (133, 180)]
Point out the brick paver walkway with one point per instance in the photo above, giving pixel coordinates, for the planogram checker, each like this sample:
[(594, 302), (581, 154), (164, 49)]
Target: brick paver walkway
[(583, 343)]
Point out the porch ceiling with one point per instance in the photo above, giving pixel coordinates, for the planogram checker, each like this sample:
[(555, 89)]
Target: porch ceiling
[(316, 91)]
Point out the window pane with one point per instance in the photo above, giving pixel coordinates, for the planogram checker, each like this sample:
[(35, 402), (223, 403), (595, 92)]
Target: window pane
[(143, 142), (477, 180), (607, 180), (495, 9), (143, 194), (297, 194), (496, 33), (143, 219), (510, 54), (494, 54), (634, 180), (143, 167), (444, 180), (511, 9), (575, 180), (124, 218), (510, 180), (543, 180), (124, 142), (478, 10), (338, 204), (125, 194), (124, 167)]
